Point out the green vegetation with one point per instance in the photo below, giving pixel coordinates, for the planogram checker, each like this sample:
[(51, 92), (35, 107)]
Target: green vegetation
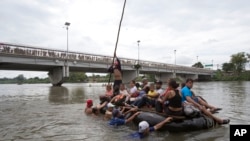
[(198, 65), (74, 77), (239, 61), (77, 77), (224, 76), (20, 79), (235, 69), (137, 66)]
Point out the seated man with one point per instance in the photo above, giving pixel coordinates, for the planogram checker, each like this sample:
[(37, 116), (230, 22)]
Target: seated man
[(159, 103), (202, 99), (149, 98), (144, 84), (187, 98), (196, 101), (144, 87), (133, 92)]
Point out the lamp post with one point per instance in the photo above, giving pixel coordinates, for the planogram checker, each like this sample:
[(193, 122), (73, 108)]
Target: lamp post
[(212, 64), (66, 67), (197, 58), (174, 63), (138, 64), (138, 43), (67, 24), (175, 57)]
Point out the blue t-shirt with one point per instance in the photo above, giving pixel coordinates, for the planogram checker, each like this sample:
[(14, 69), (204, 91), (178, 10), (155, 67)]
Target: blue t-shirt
[(185, 91), (117, 121), (140, 135)]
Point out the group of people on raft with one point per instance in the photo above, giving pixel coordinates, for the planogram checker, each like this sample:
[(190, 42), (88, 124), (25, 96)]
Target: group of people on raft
[(174, 102)]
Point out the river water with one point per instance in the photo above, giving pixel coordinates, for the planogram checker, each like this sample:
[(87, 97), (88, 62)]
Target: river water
[(38, 112)]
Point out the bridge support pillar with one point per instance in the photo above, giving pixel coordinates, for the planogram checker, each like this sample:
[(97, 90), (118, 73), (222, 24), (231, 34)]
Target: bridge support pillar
[(184, 77), (127, 76), (164, 77), (65, 71), (56, 76)]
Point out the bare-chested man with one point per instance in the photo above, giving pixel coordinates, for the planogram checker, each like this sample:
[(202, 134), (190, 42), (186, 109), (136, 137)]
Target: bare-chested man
[(117, 73)]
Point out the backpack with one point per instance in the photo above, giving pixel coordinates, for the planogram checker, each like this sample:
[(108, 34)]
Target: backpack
[(191, 111)]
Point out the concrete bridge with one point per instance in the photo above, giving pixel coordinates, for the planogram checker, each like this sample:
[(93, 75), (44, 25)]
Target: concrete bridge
[(59, 63)]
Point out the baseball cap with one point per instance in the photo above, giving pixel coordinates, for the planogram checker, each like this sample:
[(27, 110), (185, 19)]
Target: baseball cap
[(110, 105), (89, 103), (143, 125)]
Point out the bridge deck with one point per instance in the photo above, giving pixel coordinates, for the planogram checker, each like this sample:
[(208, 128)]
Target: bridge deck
[(23, 57)]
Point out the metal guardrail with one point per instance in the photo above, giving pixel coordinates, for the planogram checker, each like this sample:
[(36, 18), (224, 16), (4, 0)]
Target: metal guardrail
[(25, 50)]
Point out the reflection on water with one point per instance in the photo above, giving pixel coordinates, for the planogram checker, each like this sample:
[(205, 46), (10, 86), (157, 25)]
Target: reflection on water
[(78, 95), (61, 95)]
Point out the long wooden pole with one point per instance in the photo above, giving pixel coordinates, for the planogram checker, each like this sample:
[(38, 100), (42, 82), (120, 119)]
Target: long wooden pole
[(117, 39)]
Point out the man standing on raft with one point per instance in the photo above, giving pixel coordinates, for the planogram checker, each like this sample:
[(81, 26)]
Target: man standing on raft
[(115, 68)]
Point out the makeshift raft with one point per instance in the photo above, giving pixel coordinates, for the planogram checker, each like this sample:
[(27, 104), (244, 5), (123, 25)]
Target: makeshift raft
[(183, 125)]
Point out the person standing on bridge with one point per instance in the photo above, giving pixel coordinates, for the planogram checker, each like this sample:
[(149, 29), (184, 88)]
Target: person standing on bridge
[(115, 68)]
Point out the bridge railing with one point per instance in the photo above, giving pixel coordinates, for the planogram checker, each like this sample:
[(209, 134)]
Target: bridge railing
[(24, 50)]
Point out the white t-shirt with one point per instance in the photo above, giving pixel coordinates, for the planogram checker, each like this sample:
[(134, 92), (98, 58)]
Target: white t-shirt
[(124, 92), (133, 90), (160, 91)]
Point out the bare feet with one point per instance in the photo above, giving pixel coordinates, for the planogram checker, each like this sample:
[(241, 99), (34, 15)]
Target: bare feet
[(214, 110)]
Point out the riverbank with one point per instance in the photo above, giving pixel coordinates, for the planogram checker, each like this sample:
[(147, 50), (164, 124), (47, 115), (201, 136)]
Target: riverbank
[(229, 76), (219, 76)]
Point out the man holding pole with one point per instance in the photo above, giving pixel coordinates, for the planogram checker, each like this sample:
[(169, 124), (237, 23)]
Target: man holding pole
[(115, 68), (116, 65)]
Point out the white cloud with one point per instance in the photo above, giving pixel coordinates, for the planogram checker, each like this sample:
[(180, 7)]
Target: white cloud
[(212, 30)]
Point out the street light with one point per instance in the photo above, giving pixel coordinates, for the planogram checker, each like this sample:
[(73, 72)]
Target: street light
[(175, 57), (174, 63), (66, 67), (197, 58), (138, 42), (212, 64), (67, 24)]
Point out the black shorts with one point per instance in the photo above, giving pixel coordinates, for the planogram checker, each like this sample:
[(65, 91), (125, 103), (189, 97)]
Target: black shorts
[(117, 83), (116, 87)]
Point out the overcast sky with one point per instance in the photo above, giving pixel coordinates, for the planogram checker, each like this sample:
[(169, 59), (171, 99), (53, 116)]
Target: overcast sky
[(209, 29)]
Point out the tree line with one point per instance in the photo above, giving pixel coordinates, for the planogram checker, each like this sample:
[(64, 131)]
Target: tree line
[(235, 69)]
